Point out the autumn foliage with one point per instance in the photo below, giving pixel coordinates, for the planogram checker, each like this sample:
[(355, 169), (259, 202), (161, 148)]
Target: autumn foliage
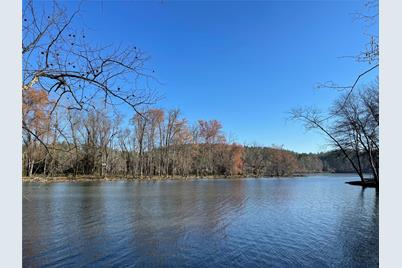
[(155, 143), (36, 110)]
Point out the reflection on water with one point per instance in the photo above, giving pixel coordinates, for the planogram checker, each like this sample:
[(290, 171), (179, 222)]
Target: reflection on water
[(317, 221)]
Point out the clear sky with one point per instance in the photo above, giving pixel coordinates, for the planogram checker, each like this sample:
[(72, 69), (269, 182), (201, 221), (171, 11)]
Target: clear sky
[(244, 63)]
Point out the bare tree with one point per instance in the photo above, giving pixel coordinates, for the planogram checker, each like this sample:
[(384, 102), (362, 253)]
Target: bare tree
[(353, 121), (173, 126), (127, 149), (369, 55), (140, 123), (353, 128), (58, 60)]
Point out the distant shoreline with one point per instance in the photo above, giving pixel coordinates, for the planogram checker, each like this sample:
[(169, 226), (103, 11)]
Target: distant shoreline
[(91, 178), (122, 178)]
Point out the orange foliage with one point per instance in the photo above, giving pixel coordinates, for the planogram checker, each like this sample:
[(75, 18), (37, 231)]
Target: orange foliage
[(283, 162), (156, 115), (211, 130), (237, 159), (36, 110)]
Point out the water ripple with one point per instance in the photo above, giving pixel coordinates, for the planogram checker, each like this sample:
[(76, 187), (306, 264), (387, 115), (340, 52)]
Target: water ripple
[(315, 221)]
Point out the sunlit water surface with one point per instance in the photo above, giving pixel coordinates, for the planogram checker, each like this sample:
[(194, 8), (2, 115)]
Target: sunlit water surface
[(316, 221)]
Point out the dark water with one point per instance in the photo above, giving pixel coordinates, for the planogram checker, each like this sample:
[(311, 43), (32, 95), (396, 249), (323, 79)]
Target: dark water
[(317, 221)]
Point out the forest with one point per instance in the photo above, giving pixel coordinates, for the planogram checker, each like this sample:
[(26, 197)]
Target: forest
[(155, 143)]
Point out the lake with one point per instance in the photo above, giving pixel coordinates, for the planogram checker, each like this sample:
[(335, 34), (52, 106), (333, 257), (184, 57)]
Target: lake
[(313, 221)]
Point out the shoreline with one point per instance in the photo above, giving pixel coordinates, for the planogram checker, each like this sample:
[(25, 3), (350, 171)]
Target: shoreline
[(92, 178)]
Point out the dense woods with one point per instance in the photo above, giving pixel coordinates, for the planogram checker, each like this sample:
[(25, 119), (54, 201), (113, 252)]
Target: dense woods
[(155, 143)]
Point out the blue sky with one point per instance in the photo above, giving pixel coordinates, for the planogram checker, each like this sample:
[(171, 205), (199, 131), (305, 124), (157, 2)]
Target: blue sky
[(244, 63)]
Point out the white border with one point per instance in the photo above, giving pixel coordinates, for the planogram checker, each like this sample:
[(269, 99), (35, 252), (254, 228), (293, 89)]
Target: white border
[(10, 140), (390, 133)]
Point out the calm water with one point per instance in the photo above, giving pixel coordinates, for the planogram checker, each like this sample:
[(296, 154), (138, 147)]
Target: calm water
[(317, 221)]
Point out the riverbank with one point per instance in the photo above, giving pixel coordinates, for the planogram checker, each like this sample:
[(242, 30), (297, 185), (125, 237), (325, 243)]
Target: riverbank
[(89, 178), (92, 178)]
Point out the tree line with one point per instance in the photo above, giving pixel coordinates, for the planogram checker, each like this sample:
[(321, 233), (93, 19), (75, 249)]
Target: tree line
[(153, 143)]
